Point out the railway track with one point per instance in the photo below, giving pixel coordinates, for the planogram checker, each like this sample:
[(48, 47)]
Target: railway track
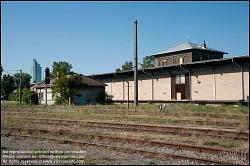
[(134, 118), (174, 130), (149, 154), (178, 146)]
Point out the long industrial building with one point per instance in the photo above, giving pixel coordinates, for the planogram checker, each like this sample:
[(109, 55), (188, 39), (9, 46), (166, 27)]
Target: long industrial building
[(187, 72)]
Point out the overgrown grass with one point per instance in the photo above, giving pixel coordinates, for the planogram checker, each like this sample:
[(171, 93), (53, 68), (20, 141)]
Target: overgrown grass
[(90, 162), (151, 162), (171, 107), (223, 122), (155, 108), (225, 143), (93, 133)]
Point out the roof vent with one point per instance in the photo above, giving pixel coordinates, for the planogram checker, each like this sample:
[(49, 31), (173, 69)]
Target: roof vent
[(204, 44)]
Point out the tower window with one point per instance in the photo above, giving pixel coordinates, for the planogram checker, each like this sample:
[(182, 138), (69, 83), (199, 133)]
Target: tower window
[(181, 60)]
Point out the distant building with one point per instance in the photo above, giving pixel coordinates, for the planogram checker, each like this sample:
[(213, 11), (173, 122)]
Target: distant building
[(36, 72), (87, 95)]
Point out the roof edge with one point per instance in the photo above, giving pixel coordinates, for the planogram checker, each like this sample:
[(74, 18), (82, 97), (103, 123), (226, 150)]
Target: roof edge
[(191, 63)]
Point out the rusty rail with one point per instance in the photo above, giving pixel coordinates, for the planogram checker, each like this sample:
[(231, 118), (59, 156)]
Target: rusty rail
[(175, 130), (127, 150)]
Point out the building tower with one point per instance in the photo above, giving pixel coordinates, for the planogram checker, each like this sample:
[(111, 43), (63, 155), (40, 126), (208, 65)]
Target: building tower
[(36, 72)]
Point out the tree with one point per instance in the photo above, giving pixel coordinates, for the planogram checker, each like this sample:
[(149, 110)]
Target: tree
[(25, 80), (127, 66), (118, 70), (62, 68), (7, 84), (29, 96), (60, 90), (14, 96), (104, 98), (65, 87), (148, 62), (74, 84), (1, 70)]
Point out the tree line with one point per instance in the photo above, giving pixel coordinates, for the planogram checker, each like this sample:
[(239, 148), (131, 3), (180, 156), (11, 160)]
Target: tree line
[(66, 84), (148, 62), (10, 87)]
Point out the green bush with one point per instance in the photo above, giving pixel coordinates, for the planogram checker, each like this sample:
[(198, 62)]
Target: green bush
[(27, 96), (14, 96), (104, 98)]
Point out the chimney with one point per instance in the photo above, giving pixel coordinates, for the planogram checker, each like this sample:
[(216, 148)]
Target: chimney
[(204, 44)]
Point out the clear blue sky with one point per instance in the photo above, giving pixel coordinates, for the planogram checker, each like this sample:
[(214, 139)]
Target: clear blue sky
[(98, 37)]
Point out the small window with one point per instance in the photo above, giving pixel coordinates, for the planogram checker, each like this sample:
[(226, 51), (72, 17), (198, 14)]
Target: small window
[(165, 61), (175, 60), (158, 62), (40, 96), (161, 63), (180, 79), (181, 60)]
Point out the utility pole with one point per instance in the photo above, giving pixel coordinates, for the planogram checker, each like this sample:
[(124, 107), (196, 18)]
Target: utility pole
[(128, 93), (47, 81), (20, 85), (46, 94), (135, 69)]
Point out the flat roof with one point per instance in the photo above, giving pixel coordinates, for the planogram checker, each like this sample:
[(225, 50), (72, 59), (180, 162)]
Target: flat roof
[(175, 65)]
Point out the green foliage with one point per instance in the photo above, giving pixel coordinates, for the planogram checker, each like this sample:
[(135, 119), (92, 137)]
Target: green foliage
[(29, 96), (104, 98), (14, 96), (7, 84), (118, 70), (62, 68), (151, 163), (66, 87), (225, 143), (25, 80), (74, 84), (148, 62), (127, 66)]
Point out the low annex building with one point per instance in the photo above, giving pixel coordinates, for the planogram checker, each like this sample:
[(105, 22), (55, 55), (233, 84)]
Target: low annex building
[(188, 72), (87, 95)]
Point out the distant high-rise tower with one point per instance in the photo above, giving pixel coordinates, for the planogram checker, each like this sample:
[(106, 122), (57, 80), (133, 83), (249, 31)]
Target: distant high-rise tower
[(36, 72)]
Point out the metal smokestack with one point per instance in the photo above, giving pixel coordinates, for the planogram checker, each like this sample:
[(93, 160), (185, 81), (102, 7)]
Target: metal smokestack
[(135, 69)]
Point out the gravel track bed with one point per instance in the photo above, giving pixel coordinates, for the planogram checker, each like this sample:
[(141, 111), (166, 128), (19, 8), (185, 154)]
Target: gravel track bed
[(221, 157), (93, 155), (192, 140)]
